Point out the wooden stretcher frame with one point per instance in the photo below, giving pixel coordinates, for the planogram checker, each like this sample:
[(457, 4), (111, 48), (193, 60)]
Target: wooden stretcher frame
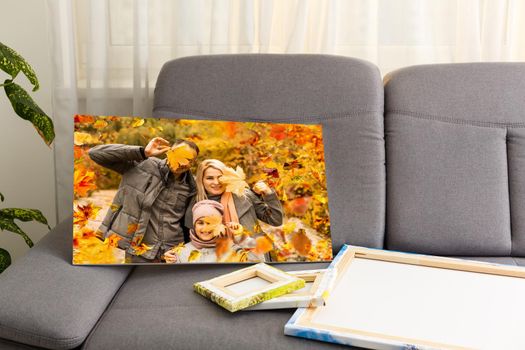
[(322, 282), (301, 323), (216, 289)]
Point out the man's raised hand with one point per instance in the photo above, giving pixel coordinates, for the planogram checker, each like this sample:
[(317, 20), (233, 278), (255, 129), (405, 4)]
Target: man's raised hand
[(156, 147)]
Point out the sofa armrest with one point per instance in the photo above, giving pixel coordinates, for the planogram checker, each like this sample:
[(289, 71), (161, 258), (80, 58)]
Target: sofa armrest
[(46, 301)]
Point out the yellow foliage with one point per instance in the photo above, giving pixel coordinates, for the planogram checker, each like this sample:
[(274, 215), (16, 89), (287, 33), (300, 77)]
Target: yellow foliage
[(88, 249), (100, 124), (178, 249), (83, 138), (141, 249), (263, 245), (83, 213), (234, 180), (83, 182), (194, 255), (137, 122), (180, 155)]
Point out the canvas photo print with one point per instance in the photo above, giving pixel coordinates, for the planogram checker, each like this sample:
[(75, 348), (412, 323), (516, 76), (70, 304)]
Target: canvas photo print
[(172, 191)]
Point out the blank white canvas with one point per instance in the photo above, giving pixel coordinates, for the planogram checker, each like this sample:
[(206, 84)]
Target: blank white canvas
[(249, 285), (459, 308)]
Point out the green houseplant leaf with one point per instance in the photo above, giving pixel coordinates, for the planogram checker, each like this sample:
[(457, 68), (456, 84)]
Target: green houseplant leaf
[(1, 197), (27, 109), (12, 63), (5, 259), (24, 215), (8, 224)]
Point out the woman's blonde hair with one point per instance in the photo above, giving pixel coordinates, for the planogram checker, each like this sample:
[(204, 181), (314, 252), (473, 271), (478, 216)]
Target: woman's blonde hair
[(203, 166)]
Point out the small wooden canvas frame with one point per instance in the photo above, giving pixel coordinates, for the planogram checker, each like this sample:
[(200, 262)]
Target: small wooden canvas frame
[(218, 291), (496, 331), (322, 281)]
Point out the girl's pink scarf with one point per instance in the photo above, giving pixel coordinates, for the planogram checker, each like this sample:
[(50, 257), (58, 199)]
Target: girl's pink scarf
[(199, 243)]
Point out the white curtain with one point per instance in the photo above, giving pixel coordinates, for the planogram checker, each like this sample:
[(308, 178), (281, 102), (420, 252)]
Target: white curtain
[(108, 52)]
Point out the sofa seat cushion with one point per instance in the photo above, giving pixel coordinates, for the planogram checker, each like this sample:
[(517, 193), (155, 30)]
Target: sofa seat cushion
[(47, 302), (157, 309)]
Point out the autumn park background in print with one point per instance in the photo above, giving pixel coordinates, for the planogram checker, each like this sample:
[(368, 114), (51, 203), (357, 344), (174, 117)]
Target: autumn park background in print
[(289, 158)]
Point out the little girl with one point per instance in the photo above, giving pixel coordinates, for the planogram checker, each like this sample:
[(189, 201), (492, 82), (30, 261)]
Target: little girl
[(207, 223), (208, 231)]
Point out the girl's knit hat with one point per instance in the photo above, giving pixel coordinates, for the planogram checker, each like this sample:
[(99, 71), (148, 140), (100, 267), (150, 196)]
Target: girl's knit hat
[(205, 208)]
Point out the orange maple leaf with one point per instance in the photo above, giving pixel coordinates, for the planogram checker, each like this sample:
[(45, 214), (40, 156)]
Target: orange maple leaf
[(222, 246), (83, 182), (79, 118), (83, 213), (113, 240), (301, 242), (180, 155), (278, 132), (132, 228), (263, 245), (77, 152)]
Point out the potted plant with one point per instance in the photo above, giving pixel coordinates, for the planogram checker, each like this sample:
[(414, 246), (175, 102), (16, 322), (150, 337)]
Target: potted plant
[(24, 106)]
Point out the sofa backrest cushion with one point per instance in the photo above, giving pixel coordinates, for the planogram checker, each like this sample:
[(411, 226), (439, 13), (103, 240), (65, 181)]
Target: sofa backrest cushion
[(455, 151), (345, 95)]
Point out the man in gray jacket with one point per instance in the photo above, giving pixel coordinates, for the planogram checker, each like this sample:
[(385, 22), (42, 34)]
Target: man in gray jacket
[(148, 208)]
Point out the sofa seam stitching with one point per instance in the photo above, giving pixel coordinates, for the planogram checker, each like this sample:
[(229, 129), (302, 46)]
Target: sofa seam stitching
[(424, 116), (303, 117), (16, 331), (509, 189)]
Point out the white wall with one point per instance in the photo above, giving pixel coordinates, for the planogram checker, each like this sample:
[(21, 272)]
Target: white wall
[(26, 163)]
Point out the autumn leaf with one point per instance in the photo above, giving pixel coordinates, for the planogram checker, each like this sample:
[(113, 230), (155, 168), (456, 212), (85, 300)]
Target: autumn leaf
[(88, 249), (141, 249), (114, 207), (321, 198), (180, 155), (194, 255), (137, 122), (132, 228), (100, 124), (301, 243), (77, 152), (84, 138), (234, 180), (83, 213), (263, 245), (222, 246), (87, 233), (79, 118), (178, 249), (299, 206), (278, 132), (235, 256), (113, 240), (212, 223), (83, 182), (271, 172), (289, 227)]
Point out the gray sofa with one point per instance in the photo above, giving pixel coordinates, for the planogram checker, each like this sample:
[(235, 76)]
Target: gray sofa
[(431, 161)]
